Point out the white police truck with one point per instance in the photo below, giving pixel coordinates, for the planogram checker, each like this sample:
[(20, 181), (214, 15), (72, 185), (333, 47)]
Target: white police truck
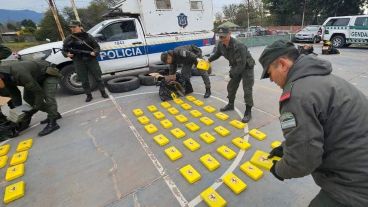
[(136, 40), (346, 30)]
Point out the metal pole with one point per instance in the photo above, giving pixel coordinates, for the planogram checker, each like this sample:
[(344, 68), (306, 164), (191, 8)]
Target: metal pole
[(305, 2), (56, 17), (248, 14), (75, 10)]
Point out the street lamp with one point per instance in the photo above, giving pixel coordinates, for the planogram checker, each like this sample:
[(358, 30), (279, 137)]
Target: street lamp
[(305, 2)]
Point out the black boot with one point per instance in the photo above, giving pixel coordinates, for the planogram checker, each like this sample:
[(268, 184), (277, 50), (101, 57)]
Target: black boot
[(247, 114), (104, 94), (50, 127), (208, 93), (45, 121), (89, 97), (228, 107)]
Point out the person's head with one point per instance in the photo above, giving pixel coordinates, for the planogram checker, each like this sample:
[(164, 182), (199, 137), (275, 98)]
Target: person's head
[(75, 26), (224, 35), (167, 57), (277, 59), (2, 83)]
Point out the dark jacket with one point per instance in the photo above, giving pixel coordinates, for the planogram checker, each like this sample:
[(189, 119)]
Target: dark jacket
[(4, 52), (325, 123), (77, 42), (237, 54), (185, 55)]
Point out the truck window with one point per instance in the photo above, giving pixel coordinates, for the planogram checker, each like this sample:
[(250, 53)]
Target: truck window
[(361, 21), (163, 4), (338, 22), (196, 5), (119, 31)]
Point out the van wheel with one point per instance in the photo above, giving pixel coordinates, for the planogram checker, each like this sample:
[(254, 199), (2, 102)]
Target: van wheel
[(123, 84), (146, 80), (70, 83), (338, 41)]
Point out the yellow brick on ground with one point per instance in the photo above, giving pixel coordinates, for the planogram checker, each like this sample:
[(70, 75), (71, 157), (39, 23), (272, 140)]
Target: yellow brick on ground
[(257, 134), (198, 103), (212, 198), (4, 149), (178, 101), (181, 118), (190, 98), (222, 116), (138, 112), (234, 183), (24, 145), (14, 192), (161, 140), (190, 174), (159, 115), (19, 158), (193, 127), (173, 110), (222, 131), (166, 123), (210, 162), (241, 143), (226, 152), (237, 124), (195, 113), (3, 161), (191, 144), (150, 128), (144, 120), (207, 137), (251, 170), (14, 172), (207, 121), (275, 144), (209, 109), (178, 133), (173, 153), (260, 159), (165, 104), (152, 108), (186, 106)]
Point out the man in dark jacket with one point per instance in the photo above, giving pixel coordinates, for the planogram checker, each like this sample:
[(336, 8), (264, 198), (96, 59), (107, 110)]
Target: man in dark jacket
[(40, 84), (324, 120), (187, 55), (242, 68), (83, 49)]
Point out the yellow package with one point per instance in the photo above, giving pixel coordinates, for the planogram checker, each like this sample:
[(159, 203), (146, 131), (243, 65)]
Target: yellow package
[(173, 111), (257, 134), (203, 65), (209, 162), (207, 137), (186, 106), (222, 131), (190, 98), (241, 143), (161, 140), (275, 144), (159, 115), (4, 149), (191, 144), (144, 120), (14, 192), (178, 133), (166, 123), (173, 153), (207, 121), (165, 104), (190, 174), (152, 108), (195, 113), (192, 126), (19, 158), (178, 101), (181, 118), (222, 116), (198, 103), (209, 109), (3, 161), (261, 159), (150, 128), (138, 112), (226, 152), (212, 198), (238, 124), (14, 172), (234, 183), (251, 170)]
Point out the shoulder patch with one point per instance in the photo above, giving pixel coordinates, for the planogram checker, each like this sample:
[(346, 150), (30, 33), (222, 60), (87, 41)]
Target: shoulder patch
[(287, 120), (286, 93)]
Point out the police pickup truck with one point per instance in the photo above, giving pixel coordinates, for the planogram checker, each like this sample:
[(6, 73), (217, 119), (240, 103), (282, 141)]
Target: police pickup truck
[(137, 39)]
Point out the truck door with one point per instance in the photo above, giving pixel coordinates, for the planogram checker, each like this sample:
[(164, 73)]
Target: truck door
[(122, 46), (359, 32)]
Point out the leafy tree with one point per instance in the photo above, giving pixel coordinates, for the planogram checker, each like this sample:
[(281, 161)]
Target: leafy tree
[(11, 26), (48, 28), (28, 23)]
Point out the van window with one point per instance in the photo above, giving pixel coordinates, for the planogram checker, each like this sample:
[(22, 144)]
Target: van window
[(163, 4), (361, 21), (196, 5), (338, 22), (119, 31)]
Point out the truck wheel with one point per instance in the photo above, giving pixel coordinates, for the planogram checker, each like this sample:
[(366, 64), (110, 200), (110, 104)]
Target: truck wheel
[(338, 41), (70, 83), (123, 84), (146, 80), (158, 67)]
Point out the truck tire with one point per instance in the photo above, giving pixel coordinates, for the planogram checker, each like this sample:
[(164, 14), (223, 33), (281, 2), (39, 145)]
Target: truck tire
[(158, 67), (338, 41), (146, 80), (123, 84), (70, 83)]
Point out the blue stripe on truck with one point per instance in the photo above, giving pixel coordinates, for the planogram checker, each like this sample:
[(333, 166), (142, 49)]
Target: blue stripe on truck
[(149, 49)]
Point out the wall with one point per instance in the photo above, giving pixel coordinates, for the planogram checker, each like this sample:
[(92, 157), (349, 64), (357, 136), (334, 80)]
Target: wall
[(263, 40)]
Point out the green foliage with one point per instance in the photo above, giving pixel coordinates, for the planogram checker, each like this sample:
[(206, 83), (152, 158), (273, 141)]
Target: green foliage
[(28, 23), (48, 28)]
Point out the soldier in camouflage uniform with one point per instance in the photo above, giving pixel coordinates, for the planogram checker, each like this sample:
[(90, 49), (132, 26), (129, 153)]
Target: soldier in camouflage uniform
[(242, 68), (4, 53)]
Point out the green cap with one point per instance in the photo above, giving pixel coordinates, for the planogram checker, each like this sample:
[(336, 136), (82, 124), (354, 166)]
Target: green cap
[(75, 23), (222, 31), (272, 52)]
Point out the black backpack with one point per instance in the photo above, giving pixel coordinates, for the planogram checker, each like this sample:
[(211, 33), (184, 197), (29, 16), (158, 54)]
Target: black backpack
[(10, 129)]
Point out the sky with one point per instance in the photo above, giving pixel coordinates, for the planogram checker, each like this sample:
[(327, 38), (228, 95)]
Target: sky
[(41, 5)]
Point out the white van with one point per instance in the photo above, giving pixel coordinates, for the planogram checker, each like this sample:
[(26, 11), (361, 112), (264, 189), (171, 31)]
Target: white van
[(137, 39), (346, 30)]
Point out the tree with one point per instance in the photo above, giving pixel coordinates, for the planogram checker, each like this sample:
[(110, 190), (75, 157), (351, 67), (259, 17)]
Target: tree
[(11, 26), (231, 11), (28, 23), (48, 28)]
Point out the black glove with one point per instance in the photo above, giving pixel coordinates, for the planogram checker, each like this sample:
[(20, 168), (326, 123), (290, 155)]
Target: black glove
[(273, 171), (278, 151), (28, 114)]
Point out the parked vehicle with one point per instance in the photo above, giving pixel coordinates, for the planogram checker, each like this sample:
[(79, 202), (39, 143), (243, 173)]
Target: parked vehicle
[(257, 30), (309, 33), (346, 30), (136, 40)]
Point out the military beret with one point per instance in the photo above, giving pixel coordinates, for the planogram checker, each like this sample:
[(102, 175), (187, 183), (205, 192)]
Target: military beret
[(272, 52), (222, 31), (75, 23)]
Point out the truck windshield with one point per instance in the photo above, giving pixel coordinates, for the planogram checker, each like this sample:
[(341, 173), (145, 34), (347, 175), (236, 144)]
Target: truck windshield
[(96, 27)]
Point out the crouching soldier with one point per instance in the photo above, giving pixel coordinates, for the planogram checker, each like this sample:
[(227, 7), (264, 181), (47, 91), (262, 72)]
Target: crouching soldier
[(40, 82)]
